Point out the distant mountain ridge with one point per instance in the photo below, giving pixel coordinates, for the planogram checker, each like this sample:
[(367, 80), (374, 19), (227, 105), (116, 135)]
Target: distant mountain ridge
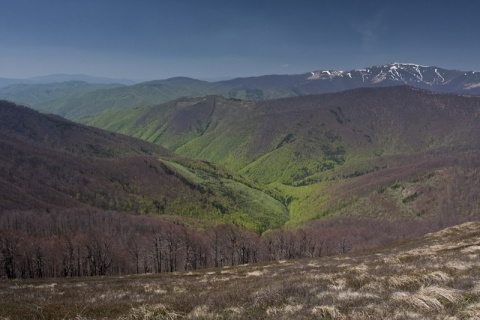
[(79, 103), (44, 95), (53, 78), (426, 77), (80, 77)]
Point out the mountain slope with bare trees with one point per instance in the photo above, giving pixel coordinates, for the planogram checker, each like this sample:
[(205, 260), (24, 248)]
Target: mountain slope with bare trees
[(52, 163)]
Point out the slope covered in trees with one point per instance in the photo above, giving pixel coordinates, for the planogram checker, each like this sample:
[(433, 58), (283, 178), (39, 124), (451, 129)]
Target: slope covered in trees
[(383, 169), (93, 242), (307, 136), (384, 151), (48, 162), (80, 201)]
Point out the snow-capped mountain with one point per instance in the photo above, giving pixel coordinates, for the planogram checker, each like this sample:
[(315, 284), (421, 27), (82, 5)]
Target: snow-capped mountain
[(427, 77)]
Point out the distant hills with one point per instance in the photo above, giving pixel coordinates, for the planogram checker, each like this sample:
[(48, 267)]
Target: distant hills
[(52, 78), (81, 103), (76, 100), (44, 96), (79, 77)]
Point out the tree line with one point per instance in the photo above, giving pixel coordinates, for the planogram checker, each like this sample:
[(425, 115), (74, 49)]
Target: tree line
[(91, 242)]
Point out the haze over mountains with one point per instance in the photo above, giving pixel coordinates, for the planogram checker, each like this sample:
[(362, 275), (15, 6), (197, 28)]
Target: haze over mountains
[(86, 100), (63, 78)]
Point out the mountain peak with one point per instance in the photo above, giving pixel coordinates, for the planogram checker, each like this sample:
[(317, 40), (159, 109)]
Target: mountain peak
[(404, 73), (405, 64)]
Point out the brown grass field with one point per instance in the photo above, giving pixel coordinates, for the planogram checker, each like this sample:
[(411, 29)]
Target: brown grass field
[(433, 277)]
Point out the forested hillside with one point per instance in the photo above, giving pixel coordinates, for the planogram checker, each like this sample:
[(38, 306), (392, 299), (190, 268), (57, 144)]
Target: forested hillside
[(229, 182), (382, 151), (80, 201), (49, 162)]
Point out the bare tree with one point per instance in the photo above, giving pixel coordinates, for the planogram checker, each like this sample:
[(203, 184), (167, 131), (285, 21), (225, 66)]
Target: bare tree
[(9, 252)]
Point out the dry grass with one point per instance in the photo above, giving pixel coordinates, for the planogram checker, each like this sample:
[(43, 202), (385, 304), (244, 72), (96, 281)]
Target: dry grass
[(437, 276), (429, 298)]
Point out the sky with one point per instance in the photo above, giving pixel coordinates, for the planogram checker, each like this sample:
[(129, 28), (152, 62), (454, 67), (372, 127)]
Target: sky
[(209, 39)]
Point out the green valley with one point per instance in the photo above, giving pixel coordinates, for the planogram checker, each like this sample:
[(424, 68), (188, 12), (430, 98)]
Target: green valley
[(326, 154)]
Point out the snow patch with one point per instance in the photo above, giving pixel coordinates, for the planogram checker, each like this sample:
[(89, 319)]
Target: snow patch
[(408, 64), (379, 78), (438, 73), (314, 76), (325, 74), (416, 67), (395, 75), (472, 86)]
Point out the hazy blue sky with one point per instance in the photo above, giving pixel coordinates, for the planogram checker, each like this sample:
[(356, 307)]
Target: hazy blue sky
[(156, 39)]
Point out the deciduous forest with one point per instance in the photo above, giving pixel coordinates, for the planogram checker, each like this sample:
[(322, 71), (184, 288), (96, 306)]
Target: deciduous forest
[(92, 242)]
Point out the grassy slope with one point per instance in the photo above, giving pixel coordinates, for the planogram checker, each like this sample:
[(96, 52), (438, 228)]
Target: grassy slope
[(239, 199), (313, 148), (436, 276)]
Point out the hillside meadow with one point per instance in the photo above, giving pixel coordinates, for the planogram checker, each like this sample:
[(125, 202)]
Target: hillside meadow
[(435, 276)]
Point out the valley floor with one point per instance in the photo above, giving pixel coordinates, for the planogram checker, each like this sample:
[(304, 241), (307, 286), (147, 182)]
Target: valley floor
[(433, 277)]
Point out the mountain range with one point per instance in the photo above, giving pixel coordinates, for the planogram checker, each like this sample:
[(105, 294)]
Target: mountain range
[(183, 174), (430, 78), (89, 100)]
